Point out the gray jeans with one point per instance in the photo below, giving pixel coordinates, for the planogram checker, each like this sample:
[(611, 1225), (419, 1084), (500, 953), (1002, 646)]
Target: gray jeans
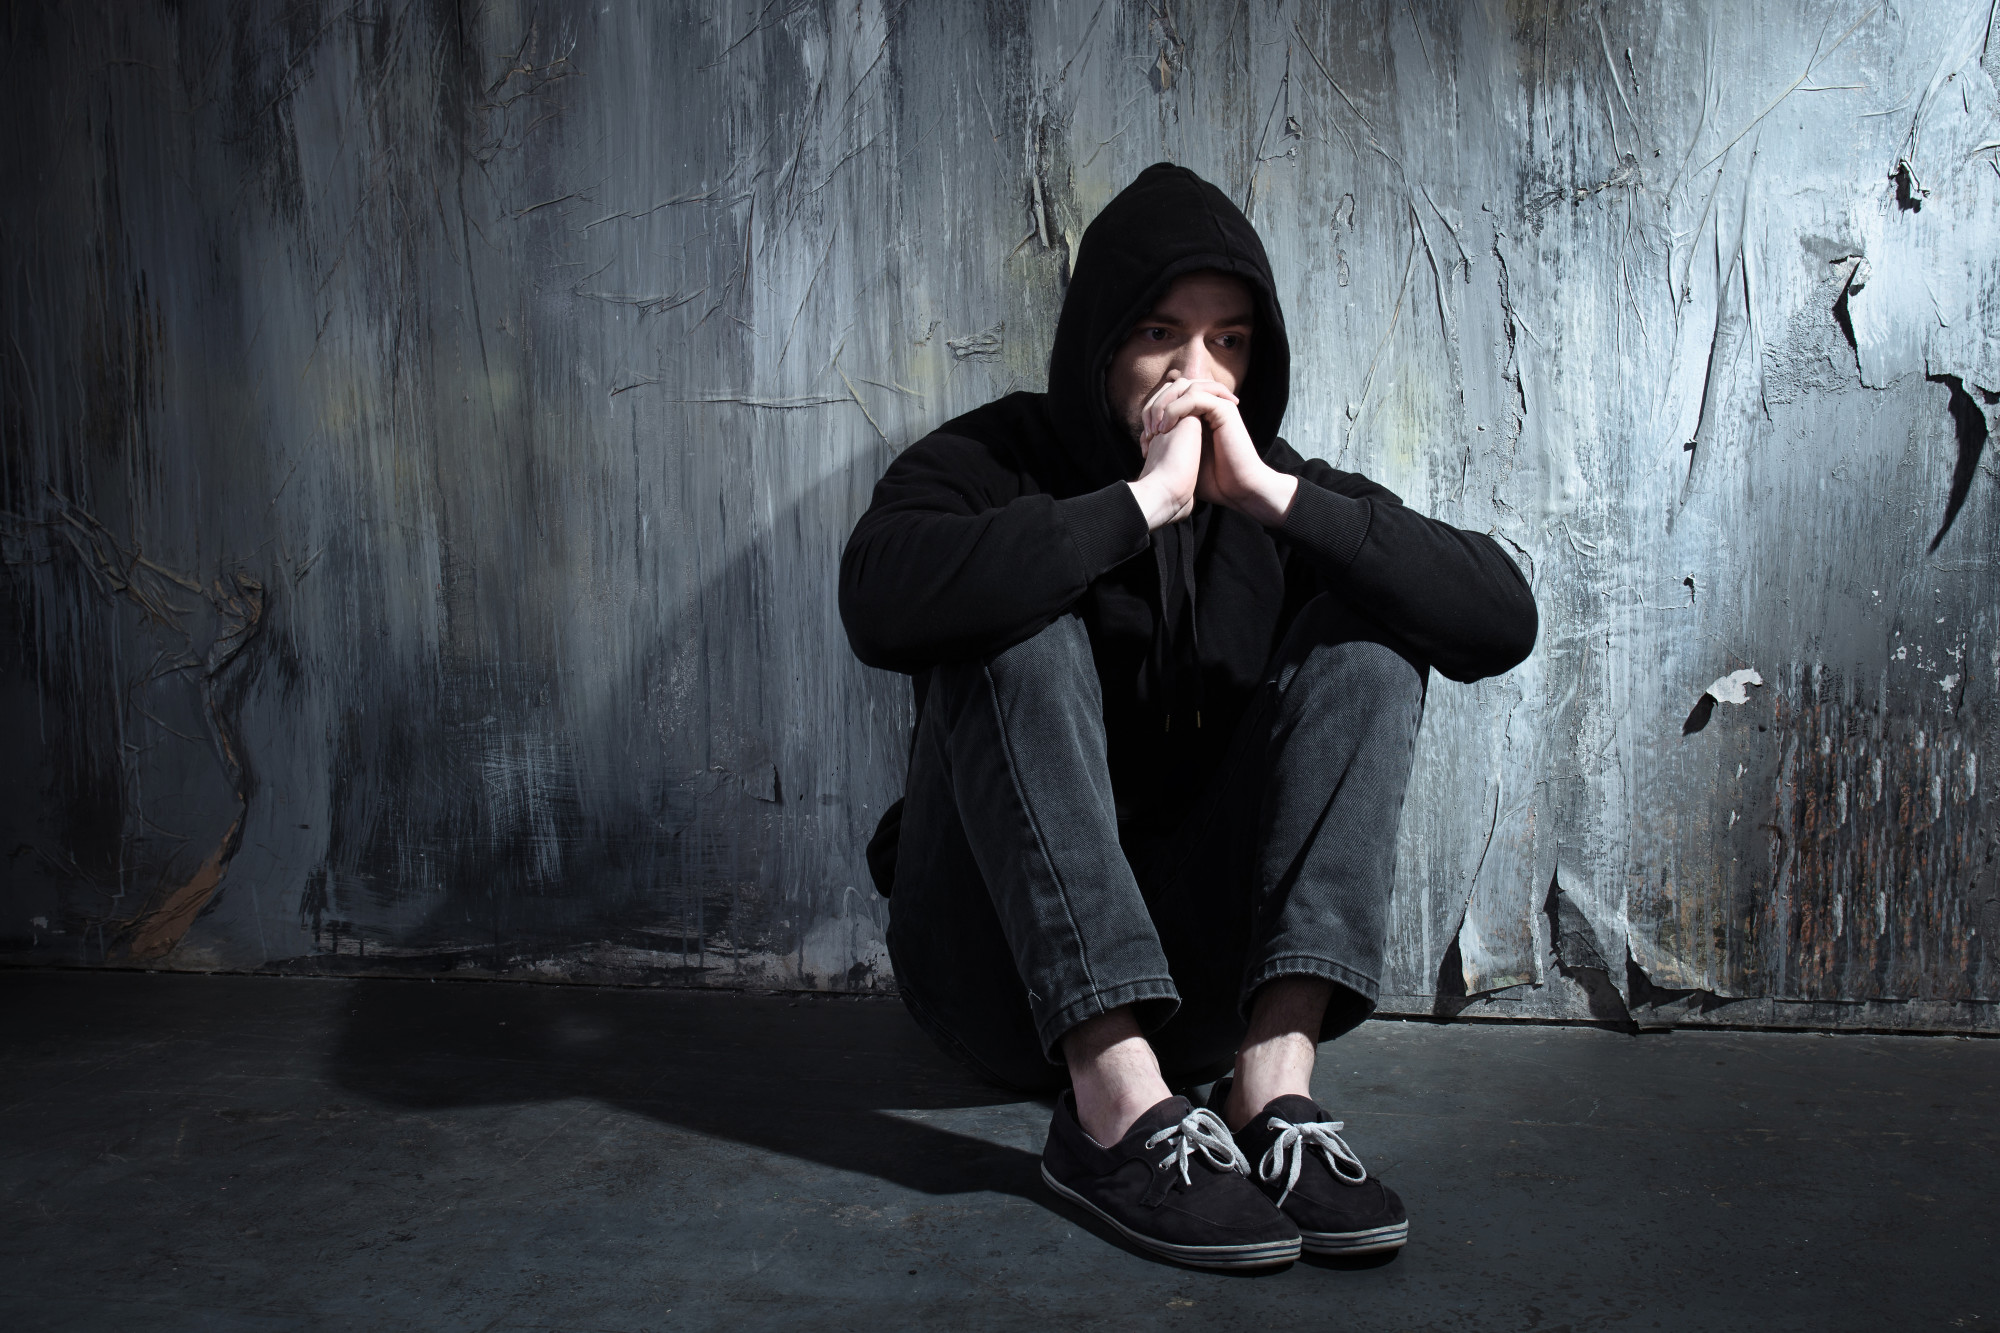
[(1019, 912)]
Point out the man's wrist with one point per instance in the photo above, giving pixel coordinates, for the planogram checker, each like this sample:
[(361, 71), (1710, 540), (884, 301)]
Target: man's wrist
[(1142, 495), (1267, 497), (1154, 502)]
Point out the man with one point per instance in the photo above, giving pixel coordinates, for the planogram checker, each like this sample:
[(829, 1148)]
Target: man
[(1168, 676)]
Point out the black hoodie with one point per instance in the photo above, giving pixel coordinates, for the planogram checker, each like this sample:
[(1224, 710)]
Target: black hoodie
[(986, 530)]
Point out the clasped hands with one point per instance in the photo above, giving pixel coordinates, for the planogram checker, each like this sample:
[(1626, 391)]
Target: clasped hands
[(1197, 448)]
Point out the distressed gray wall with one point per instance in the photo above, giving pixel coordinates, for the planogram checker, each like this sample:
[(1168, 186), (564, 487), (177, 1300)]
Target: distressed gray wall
[(430, 430)]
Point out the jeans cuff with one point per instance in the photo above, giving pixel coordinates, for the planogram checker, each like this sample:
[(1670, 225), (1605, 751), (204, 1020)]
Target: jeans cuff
[(1305, 965), (1164, 1001)]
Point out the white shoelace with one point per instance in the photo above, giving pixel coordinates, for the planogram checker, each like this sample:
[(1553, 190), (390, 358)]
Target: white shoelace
[(1285, 1156), (1200, 1131)]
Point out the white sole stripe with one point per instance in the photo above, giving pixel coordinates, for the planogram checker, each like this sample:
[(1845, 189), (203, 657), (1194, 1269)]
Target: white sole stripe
[(1357, 1242), (1263, 1254)]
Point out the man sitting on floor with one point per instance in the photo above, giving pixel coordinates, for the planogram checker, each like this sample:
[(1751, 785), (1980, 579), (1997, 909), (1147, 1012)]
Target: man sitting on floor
[(1169, 675)]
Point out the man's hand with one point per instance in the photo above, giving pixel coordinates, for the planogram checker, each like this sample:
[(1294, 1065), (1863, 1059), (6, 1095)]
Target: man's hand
[(1165, 489), (1229, 473)]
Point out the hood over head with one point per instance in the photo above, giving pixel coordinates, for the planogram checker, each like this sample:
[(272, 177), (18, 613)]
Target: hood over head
[(1166, 223)]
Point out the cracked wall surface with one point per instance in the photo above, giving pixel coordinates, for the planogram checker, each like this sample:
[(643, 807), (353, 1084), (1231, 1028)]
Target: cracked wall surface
[(430, 431)]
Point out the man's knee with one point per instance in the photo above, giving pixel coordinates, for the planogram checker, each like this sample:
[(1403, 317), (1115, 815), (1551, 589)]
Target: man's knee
[(1331, 650), (1057, 656), (1052, 667)]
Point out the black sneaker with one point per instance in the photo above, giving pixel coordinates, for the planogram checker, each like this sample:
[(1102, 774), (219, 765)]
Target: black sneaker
[(1306, 1168), (1175, 1185)]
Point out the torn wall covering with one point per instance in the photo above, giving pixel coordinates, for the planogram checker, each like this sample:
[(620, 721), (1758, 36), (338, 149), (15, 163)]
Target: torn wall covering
[(430, 431)]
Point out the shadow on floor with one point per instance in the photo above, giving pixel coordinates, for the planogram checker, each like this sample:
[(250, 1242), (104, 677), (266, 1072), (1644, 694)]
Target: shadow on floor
[(815, 1079)]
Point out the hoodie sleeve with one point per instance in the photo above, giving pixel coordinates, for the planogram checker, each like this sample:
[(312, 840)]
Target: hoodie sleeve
[(950, 563), (1452, 595)]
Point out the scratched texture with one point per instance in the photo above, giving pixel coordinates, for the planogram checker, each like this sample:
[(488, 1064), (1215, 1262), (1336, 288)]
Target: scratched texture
[(430, 430)]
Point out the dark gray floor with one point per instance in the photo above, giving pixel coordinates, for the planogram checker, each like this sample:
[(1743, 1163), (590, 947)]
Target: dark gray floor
[(181, 1152)]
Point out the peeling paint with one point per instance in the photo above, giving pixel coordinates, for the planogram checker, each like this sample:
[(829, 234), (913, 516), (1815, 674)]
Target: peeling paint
[(1733, 688)]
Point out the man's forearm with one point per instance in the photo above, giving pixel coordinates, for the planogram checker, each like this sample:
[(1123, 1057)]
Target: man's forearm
[(1266, 497), (1453, 596), (921, 587)]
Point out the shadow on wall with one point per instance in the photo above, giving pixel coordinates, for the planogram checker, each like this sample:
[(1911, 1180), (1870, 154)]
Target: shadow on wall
[(668, 807), (815, 1079), (624, 834)]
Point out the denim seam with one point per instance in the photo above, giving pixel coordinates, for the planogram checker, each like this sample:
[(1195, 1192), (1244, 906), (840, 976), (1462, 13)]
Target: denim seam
[(1103, 1002), (1035, 827), (1261, 926), (1309, 965)]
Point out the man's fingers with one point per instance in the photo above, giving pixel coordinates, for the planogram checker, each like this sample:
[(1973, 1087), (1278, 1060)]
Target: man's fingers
[(1165, 393), (1156, 445), (1182, 404), (1168, 403), (1178, 398), (1178, 447), (1189, 405), (1215, 387), (1179, 388)]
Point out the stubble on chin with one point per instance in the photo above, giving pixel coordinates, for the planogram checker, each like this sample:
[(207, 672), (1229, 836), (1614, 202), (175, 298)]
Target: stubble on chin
[(1133, 419)]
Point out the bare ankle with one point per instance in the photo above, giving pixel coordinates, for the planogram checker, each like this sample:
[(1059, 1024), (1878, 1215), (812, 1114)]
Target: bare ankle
[(1114, 1072), (1274, 1069), (1276, 1058)]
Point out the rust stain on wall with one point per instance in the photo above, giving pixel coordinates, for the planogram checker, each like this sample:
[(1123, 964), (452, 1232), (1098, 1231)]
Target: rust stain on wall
[(155, 934), (1880, 840)]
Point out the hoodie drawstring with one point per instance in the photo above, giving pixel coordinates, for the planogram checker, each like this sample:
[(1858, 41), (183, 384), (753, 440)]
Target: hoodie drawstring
[(1177, 654)]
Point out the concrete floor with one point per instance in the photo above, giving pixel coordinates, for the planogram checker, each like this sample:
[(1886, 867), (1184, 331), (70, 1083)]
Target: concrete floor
[(186, 1152)]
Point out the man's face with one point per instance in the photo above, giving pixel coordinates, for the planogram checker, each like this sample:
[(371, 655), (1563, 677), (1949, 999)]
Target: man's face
[(1200, 328)]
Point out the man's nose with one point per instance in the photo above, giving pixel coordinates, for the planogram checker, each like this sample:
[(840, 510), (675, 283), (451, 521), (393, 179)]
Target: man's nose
[(1194, 362)]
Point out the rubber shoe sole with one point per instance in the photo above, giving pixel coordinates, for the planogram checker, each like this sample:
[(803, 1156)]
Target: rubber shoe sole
[(1264, 1254), (1371, 1241)]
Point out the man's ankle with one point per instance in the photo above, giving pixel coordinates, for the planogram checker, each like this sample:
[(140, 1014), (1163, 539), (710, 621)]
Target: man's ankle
[(1248, 1097), (1115, 1075), (1109, 1116), (1276, 1058)]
